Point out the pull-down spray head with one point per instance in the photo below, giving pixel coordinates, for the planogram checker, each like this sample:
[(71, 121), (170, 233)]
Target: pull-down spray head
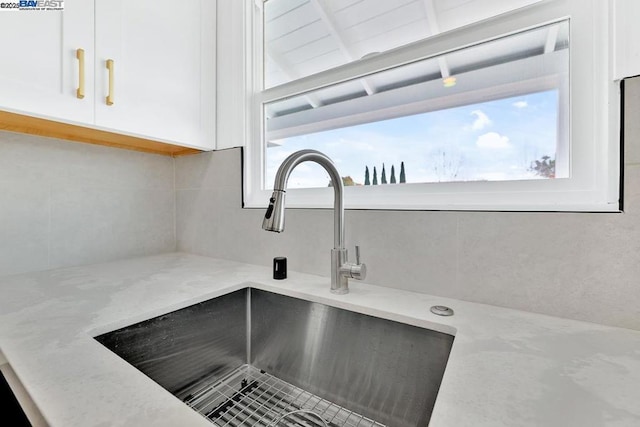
[(274, 218)]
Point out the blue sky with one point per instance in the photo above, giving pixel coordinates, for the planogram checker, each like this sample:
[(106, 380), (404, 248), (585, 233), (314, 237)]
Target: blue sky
[(495, 140)]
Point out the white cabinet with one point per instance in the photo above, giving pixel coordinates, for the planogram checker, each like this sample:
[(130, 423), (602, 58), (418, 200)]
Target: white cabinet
[(163, 69), (39, 70), (162, 78)]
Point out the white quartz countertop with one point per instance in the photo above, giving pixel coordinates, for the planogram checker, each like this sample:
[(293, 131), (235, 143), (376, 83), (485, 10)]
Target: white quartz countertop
[(506, 368)]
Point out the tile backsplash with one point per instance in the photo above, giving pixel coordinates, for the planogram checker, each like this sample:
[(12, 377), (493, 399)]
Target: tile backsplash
[(65, 204)]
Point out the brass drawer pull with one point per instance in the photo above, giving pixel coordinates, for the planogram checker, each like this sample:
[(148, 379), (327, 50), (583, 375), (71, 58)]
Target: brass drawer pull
[(111, 78), (80, 56)]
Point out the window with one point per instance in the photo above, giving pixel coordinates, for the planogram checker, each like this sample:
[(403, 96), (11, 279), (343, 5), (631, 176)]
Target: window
[(433, 104), (507, 139)]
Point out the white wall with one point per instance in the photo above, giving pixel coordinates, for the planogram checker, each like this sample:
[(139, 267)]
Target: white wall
[(576, 265), (625, 38), (65, 204)]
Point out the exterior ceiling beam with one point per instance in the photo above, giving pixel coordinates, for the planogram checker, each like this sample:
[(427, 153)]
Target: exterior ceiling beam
[(332, 27), (286, 69), (434, 28), (552, 39)]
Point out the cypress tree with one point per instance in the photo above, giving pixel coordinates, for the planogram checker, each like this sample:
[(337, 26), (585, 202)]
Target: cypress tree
[(393, 174), (375, 176), (403, 178), (366, 176), (383, 179)]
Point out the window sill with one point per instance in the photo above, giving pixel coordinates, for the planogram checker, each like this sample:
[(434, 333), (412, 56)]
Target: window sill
[(367, 199)]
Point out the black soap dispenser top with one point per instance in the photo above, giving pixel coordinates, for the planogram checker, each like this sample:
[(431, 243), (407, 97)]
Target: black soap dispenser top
[(280, 268)]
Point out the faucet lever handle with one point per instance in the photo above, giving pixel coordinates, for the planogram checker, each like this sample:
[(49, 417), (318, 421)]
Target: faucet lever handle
[(357, 270)]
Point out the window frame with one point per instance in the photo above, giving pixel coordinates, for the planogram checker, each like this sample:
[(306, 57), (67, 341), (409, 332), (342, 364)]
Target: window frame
[(593, 109)]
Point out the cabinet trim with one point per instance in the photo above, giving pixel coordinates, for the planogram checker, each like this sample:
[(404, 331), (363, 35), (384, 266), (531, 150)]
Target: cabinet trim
[(36, 126)]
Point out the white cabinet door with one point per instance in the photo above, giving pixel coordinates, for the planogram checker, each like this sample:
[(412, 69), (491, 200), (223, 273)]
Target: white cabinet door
[(163, 74), (39, 71)]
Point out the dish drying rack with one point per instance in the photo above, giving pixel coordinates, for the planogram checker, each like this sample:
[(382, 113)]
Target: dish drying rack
[(251, 397)]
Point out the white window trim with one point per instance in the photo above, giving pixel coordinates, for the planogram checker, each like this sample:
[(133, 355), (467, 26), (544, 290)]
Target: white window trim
[(594, 100)]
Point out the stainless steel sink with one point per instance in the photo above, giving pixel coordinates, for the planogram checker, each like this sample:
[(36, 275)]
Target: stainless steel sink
[(253, 357)]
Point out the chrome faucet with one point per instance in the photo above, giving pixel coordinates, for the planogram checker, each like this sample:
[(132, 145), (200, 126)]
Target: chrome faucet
[(341, 269)]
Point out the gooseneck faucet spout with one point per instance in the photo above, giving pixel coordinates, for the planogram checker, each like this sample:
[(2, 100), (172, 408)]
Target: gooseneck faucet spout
[(341, 270)]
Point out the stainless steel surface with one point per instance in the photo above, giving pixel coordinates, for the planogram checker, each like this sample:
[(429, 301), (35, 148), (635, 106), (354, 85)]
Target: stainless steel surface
[(280, 186), (273, 220), (314, 356), (251, 397), (274, 217), (384, 370), (339, 268), (442, 310), (357, 270), (178, 348), (293, 414)]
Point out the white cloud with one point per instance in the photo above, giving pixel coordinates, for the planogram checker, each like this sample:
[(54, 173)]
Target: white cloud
[(481, 121), (520, 104), (492, 141)]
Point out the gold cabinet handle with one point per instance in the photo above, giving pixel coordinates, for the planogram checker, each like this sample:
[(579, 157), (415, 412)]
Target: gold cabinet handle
[(80, 56), (111, 77)]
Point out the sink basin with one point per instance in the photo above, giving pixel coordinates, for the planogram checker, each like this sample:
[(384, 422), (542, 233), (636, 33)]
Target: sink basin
[(257, 358)]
